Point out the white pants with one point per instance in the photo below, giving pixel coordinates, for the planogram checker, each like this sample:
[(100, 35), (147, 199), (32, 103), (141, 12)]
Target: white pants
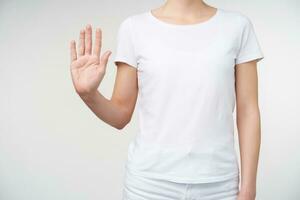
[(142, 188)]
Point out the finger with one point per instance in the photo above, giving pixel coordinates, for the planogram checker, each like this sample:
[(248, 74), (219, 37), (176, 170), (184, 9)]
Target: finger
[(88, 39), (104, 59), (73, 50), (98, 43), (81, 42)]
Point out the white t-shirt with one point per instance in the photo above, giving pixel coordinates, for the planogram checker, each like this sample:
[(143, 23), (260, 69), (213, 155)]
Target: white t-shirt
[(186, 93)]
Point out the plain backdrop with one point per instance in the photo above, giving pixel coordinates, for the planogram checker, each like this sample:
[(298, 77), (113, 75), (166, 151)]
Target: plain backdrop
[(52, 147)]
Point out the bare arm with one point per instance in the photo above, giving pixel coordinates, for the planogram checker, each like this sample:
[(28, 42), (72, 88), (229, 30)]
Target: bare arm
[(88, 70), (248, 124)]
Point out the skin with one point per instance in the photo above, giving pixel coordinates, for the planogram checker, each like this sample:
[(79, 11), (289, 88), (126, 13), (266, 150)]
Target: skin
[(248, 124), (88, 68)]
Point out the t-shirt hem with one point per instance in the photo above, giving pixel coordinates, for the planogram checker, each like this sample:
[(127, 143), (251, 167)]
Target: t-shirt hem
[(249, 57), (185, 180), (132, 64)]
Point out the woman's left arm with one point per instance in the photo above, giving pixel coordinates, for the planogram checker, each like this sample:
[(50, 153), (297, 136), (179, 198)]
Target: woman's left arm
[(248, 125)]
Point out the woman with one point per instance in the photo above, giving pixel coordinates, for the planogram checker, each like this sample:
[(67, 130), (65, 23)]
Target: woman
[(186, 62)]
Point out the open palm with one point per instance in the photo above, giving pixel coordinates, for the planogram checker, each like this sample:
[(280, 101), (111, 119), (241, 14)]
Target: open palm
[(87, 67)]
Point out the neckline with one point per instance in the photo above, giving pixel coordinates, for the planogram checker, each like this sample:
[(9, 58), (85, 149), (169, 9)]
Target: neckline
[(198, 24)]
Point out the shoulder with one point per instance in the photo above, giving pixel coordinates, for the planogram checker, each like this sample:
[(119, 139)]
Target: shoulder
[(135, 18), (237, 17)]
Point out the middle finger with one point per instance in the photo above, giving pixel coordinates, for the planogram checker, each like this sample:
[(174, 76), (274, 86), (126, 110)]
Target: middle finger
[(88, 41)]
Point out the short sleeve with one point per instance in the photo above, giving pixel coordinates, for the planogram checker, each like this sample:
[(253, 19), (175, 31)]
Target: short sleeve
[(125, 51), (249, 48)]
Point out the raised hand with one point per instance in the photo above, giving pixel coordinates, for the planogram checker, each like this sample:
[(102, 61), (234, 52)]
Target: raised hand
[(87, 67)]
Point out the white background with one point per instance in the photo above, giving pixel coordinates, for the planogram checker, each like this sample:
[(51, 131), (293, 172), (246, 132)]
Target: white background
[(53, 147)]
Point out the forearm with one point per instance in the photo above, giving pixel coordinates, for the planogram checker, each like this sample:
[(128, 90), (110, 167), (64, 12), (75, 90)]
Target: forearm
[(105, 109), (248, 123)]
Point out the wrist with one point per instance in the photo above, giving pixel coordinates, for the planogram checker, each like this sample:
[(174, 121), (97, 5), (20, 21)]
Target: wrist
[(248, 192), (248, 185), (89, 97)]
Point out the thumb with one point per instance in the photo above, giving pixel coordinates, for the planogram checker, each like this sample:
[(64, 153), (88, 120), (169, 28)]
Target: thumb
[(104, 59)]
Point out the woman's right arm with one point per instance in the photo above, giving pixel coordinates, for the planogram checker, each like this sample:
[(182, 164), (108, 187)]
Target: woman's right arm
[(88, 70)]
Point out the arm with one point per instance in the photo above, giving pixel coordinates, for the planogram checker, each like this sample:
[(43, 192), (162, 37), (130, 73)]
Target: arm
[(248, 124), (118, 110), (88, 70)]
